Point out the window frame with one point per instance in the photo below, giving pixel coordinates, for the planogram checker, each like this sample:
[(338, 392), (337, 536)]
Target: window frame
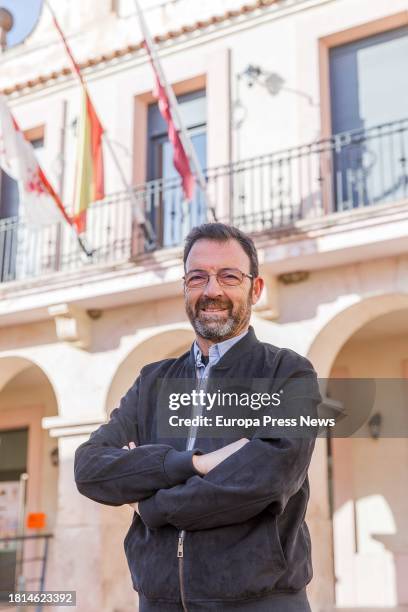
[(154, 169), (342, 37)]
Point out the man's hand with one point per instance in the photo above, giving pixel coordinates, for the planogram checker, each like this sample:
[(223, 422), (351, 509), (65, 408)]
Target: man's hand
[(130, 446), (205, 463)]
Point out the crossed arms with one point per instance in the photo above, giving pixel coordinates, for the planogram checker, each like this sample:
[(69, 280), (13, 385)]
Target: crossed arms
[(203, 463), (183, 489)]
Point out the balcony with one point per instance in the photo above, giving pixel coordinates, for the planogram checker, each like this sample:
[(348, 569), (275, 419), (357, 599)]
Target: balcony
[(277, 195)]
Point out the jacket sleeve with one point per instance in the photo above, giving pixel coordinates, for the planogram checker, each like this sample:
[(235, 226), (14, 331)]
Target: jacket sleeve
[(265, 472), (109, 474)]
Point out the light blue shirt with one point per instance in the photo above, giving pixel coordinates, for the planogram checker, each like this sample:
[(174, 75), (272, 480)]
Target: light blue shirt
[(215, 353)]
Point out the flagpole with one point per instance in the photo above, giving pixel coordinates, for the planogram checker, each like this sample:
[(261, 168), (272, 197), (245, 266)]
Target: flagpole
[(186, 140), (81, 241), (140, 217)]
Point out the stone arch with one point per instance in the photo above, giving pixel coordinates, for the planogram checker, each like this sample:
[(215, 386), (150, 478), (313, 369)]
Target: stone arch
[(27, 396), (13, 365), (158, 345), (337, 330)]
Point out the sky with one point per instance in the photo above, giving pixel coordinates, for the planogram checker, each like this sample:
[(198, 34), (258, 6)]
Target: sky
[(25, 13)]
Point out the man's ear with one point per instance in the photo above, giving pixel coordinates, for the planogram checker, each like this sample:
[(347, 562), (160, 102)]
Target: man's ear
[(257, 287)]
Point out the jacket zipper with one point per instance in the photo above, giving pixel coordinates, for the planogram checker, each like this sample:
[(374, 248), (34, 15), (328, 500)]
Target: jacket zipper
[(180, 556), (182, 535)]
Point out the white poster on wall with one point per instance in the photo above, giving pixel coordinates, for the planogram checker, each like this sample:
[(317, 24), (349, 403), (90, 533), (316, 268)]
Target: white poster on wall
[(9, 505)]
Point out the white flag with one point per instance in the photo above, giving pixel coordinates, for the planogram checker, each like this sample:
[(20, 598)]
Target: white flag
[(41, 205)]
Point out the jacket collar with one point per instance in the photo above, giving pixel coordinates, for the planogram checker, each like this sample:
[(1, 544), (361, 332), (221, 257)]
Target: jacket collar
[(247, 343)]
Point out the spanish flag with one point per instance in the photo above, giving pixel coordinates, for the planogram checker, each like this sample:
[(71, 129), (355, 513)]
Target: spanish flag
[(89, 170), (89, 182)]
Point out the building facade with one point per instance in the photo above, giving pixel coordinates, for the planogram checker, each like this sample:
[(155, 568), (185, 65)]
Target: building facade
[(298, 110)]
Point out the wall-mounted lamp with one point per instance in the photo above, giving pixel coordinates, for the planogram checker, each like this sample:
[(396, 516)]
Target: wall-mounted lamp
[(94, 313), (374, 425), (291, 278), (54, 456), (273, 82)]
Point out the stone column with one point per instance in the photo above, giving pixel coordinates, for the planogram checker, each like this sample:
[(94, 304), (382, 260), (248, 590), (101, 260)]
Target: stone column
[(321, 589), (87, 554)]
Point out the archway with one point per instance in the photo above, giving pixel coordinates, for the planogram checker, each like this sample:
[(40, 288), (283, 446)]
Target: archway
[(366, 476), (26, 396), (160, 345), (335, 333)]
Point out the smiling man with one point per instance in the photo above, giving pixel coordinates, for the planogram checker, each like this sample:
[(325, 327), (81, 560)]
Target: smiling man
[(219, 300), (218, 525)]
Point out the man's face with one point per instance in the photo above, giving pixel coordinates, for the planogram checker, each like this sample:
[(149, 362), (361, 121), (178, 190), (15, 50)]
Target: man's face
[(216, 312)]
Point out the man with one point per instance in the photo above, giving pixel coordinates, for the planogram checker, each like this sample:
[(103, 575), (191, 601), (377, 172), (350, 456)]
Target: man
[(218, 525)]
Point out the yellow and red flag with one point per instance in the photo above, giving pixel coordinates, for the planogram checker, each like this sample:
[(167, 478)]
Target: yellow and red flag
[(89, 182)]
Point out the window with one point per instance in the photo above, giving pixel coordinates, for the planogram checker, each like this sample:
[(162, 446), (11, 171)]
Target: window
[(369, 81), (35, 135), (368, 89), (170, 217), (8, 196), (9, 203)]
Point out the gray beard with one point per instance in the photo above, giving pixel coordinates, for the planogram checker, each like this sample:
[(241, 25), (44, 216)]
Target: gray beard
[(217, 330)]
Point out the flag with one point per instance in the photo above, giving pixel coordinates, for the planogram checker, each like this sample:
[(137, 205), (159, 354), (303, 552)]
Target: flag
[(180, 158), (89, 183), (40, 203)]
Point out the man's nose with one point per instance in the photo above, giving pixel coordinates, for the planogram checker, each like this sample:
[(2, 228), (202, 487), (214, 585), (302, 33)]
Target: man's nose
[(212, 289)]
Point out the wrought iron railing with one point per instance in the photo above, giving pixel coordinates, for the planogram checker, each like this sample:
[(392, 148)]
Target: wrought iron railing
[(269, 193), (23, 565)]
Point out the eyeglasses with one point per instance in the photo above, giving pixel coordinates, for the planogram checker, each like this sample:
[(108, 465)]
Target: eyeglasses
[(226, 277)]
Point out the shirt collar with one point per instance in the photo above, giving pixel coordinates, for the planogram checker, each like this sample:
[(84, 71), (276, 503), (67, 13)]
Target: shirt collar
[(218, 350)]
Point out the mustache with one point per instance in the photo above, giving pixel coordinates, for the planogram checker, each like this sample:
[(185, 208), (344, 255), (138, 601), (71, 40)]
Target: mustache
[(216, 303)]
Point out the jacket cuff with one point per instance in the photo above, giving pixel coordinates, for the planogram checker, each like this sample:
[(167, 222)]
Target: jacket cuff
[(178, 465), (150, 513)]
